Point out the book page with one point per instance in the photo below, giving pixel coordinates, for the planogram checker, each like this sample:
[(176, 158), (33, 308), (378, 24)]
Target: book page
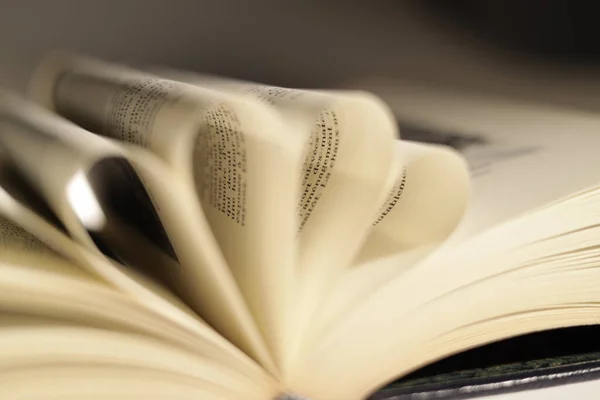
[(14, 207), (36, 290), (521, 155), (347, 141), (360, 282), (91, 190), (334, 128), (428, 197), (19, 247), (32, 139), (537, 238), (87, 185), (85, 347), (229, 151), (545, 260), (48, 294), (111, 381)]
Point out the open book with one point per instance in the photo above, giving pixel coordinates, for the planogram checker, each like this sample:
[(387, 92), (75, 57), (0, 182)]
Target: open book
[(167, 234)]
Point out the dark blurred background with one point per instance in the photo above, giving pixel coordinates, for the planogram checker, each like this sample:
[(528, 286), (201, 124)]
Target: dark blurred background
[(538, 50)]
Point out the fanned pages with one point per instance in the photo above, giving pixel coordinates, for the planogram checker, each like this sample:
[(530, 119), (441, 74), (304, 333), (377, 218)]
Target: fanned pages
[(230, 150), (169, 234), (346, 139)]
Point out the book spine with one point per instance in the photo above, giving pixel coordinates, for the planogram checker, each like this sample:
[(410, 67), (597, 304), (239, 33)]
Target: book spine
[(290, 396)]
